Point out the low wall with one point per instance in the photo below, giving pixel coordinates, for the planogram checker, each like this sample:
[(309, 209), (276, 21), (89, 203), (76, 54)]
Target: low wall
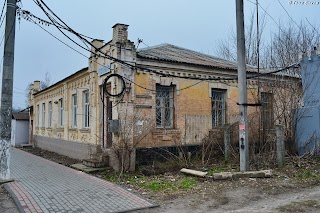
[(68, 148)]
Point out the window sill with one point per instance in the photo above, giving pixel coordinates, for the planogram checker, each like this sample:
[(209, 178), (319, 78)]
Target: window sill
[(49, 129), (161, 131), (85, 130), (42, 128), (60, 129), (73, 129)]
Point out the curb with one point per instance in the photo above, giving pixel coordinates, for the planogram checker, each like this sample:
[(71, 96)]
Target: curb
[(14, 197)]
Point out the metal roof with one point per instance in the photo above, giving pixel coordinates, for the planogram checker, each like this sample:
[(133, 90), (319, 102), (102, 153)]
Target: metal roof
[(172, 53), (20, 115)]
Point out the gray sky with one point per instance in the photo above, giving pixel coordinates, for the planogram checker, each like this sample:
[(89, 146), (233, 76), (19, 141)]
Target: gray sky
[(196, 25)]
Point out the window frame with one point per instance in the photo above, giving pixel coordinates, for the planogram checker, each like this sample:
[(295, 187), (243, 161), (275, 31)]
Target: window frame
[(60, 109), (86, 109), (266, 123), (38, 115), (163, 109), (215, 111), (50, 114), (43, 114), (74, 106)]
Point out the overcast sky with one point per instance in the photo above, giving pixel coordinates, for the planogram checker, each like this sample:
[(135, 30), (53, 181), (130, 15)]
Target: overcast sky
[(196, 25)]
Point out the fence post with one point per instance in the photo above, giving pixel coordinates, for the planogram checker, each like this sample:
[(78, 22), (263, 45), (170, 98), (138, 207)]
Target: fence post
[(280, 146), (227, 141)]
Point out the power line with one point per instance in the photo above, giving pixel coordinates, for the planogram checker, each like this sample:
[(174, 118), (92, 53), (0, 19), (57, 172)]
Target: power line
[(4, 4), (284, 33), (290, 16), (312, 25), (123, 62)]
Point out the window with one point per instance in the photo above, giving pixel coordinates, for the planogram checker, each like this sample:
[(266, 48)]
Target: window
[(38, 115), (60, 112), (86, 109), (74, 110), (266, 110), (43, 114), (218, 101), (50, 114), (164, 106)]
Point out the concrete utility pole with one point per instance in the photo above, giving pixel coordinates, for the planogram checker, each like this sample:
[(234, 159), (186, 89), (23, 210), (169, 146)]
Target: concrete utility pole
[(242, 86), (6, 92)]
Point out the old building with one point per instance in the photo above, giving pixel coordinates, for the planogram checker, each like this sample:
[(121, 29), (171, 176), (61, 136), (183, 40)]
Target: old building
[(132, 98)]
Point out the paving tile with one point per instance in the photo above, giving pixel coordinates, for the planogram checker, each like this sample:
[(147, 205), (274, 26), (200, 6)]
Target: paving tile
[(44, 186)]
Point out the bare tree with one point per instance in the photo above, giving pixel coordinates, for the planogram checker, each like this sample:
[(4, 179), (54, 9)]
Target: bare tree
[(284, 47), (43, 85)]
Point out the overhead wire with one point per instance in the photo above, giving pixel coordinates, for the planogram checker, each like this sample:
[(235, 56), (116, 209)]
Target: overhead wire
[(290, 16), (4, 4), (279, 27), (126, 63)]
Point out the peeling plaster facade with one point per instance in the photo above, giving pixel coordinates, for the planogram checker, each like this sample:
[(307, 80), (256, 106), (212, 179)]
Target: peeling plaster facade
[(191, 115)]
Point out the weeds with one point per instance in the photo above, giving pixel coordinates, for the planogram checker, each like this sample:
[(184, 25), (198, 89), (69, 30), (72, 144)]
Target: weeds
[(155, 183)]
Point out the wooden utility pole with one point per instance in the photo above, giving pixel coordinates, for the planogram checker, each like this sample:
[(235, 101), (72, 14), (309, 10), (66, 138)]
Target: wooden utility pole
[(242, 87), (6, 92)]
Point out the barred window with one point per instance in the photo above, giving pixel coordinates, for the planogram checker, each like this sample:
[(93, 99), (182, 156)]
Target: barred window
[(74, 110), (267, 110), (164, 106), (218, 107)]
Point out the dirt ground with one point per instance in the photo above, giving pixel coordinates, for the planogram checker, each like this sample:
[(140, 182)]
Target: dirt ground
[(6, 203), (295, 188)]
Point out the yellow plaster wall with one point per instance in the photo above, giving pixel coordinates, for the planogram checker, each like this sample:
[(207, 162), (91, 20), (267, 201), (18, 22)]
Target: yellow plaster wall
[(75, 85)]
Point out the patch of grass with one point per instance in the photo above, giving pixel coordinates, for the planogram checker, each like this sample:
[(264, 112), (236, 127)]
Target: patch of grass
[(155, 183), (215, 169), (302, 206), (159, 185), (187, 183), (308, 175)]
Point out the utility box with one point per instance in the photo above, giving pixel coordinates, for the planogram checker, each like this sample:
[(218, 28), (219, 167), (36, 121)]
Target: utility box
[(114, 126)]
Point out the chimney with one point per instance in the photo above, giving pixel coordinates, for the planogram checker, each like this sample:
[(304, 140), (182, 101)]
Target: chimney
[(97, 44), (120, 33), (36, 86)]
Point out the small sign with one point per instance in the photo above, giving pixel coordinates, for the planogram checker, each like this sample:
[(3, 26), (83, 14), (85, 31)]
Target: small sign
[(103, 70), (242, 127)]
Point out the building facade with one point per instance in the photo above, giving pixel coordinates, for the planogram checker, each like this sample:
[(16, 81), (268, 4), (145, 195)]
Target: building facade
[(130, 98)]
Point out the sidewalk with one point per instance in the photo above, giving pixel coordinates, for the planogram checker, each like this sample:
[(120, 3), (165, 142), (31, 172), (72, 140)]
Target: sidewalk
[(44, 186)]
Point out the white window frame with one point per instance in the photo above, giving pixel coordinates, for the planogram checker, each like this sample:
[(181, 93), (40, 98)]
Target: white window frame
[(86, 108), (38, 115), (50, 114), (60, 112), (218, 107), (43, 114), (74, 110), (165, 108)]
